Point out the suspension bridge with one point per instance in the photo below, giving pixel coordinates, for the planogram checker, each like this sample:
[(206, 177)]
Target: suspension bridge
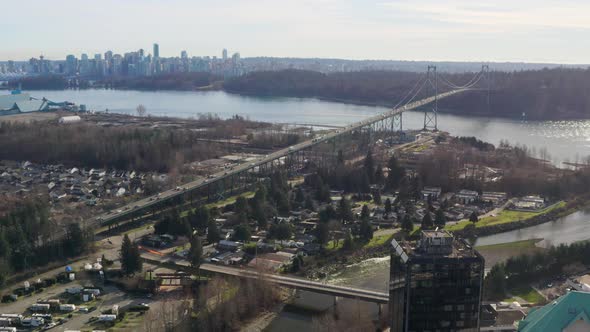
[(319, 150)]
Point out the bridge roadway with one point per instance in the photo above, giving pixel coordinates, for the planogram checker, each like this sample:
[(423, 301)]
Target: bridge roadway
[(202, 182)]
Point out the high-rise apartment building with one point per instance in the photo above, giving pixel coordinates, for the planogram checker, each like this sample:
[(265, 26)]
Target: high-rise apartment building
[(224, 54), (435, 284)]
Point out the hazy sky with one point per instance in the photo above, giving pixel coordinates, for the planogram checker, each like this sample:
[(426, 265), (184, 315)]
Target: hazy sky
[(500, 30)]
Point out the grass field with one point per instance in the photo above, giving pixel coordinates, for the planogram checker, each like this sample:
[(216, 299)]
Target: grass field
[(526, 293), (506, 216), (377, 241), (524, 244)]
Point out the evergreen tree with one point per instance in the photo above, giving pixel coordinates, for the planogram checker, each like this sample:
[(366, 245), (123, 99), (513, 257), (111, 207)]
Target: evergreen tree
[(369, 165), (322, 233), (195, 254), (259, 215), (241, 205), (283, 231), (388, 206), (395, 175), (348, 241), (299, 195), (309, 203), (366, 230), (379, 177), (345, 210), (439, 218), (130, 257), (242, 233), (407, 224), (213, 235), (473, 217), (365, 213), (427, 221), (377, 197), (201, 218), (495, 282)]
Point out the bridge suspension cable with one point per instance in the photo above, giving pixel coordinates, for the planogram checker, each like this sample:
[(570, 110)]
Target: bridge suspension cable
[(420, 79), (478, 76)]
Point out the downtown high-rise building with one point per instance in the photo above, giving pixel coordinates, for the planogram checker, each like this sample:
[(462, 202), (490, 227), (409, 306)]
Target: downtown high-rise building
[(156, 51), (435, 284)]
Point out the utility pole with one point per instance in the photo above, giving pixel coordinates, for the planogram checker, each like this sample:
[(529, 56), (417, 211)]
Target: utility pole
[(430, 116)]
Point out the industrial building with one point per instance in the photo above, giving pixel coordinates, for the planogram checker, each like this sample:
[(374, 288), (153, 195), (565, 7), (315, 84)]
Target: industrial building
[(435, 284)]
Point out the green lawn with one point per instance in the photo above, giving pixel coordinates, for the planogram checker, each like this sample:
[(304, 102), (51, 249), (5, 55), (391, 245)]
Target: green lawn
[(377, 241), (524, 244), (526, 293), (506, 216), (331, 245)]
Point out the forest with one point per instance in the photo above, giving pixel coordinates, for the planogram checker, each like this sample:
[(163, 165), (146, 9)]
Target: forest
[(172, 81), (142, 149), (557, 93), (27, 236)]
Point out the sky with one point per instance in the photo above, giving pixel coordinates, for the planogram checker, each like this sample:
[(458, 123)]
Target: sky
[(438, 30)]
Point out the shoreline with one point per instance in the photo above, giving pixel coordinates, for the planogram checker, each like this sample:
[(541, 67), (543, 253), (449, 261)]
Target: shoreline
[(217, 87)]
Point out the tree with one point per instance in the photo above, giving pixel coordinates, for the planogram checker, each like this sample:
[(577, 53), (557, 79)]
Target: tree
[(195, 254), (377, 197), (75, 242), (213, 235), (130, 257), (344, 209), (200, 219), (370, 166), (365, 214), (407, 224), (473, 217), (348, 241), (309, 203), (299, 196), (388, 206), (495, 282), (283, 231), (259, 215), (439, 218), (242, 233), (379, 177), (395, 175), (140, 110), (427, 221), (322, 233), (366, 230), (241, 205)]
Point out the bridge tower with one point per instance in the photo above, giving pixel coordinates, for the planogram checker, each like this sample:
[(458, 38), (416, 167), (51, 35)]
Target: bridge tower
[(430, 115), (486, 72)]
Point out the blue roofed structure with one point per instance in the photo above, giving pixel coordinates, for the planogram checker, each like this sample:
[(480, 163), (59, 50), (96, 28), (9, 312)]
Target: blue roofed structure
[(569, 313)]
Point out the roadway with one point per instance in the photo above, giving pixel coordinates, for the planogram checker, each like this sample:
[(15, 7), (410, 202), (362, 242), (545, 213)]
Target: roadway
[(202, 182)]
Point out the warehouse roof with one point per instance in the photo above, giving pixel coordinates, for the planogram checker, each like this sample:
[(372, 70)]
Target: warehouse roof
[(572, 309)]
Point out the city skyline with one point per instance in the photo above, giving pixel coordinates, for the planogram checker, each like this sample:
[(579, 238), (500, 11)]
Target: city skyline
[(452, 30)]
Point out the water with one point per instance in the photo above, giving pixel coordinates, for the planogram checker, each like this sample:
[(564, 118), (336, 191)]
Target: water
[(564, 140), (572, 228)]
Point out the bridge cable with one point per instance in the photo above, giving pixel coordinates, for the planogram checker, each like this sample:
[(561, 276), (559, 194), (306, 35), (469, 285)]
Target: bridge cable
[(410, 91), (478, 76)]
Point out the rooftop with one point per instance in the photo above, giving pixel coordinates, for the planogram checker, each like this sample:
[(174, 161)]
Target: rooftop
[(434, 243), (572, 309)]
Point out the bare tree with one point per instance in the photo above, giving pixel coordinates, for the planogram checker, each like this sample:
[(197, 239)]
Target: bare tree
[(141, 110)]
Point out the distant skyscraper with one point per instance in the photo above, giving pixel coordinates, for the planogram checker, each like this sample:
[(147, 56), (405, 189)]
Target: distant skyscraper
[(156, 51), (183, 55), (71, 65), (435, 284), (224, 54)]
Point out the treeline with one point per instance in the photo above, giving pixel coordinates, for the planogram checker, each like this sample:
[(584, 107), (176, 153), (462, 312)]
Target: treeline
[(110, 147), (28, 238), (524, 269), (44, 82), (171, 81), (557, 93)]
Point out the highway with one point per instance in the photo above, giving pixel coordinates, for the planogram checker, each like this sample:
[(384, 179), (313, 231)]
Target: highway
[(172, 193)]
